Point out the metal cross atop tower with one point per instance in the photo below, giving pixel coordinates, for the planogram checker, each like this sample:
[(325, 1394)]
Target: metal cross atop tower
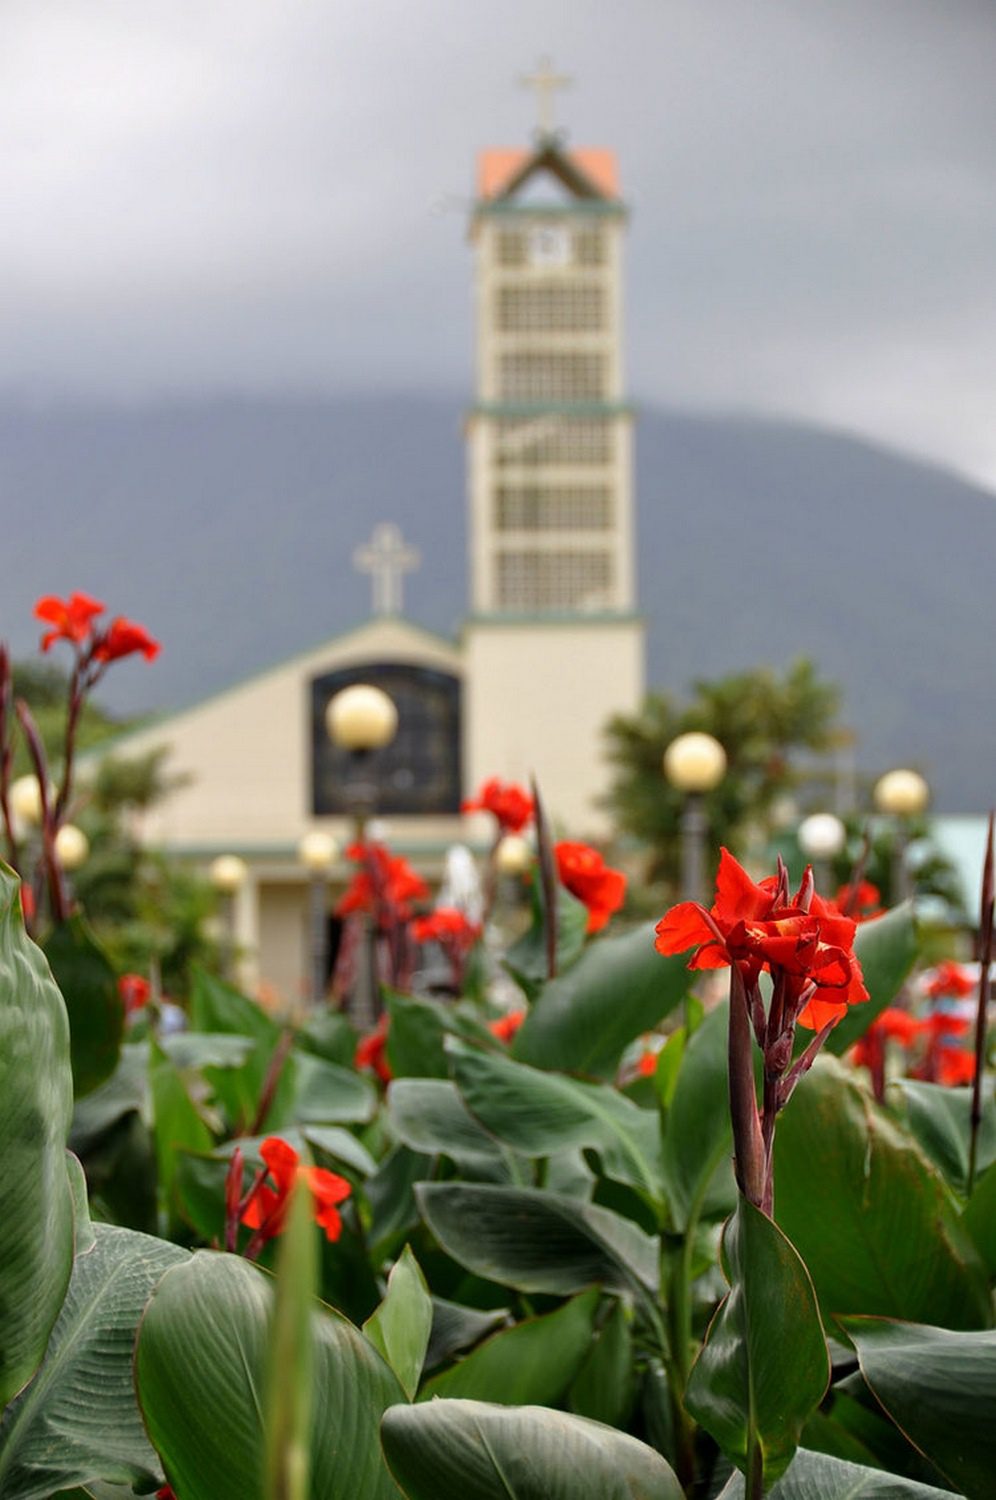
[(387, 558), (545, 81)]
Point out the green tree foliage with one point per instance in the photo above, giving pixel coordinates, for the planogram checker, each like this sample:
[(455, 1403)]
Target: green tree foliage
[(143, 907), (762, 719)]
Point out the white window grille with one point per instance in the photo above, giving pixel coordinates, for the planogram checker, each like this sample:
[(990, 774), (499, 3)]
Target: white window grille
[(544, 376), (552, 581), (553, 508), (547, 307)]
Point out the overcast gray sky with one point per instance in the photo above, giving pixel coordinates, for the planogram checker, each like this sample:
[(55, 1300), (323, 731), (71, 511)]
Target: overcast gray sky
[(268, 195)]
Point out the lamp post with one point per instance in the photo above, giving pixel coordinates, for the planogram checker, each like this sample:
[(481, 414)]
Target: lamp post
[(360, 720), (822, 836), (694, 764), (901, 794), (228, 874), (318, 852)]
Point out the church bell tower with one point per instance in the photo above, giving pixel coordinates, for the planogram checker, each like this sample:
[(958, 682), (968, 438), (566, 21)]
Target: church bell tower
[(553, 644)]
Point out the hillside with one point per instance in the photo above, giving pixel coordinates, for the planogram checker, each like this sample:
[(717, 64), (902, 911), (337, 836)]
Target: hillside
[(227, 527)]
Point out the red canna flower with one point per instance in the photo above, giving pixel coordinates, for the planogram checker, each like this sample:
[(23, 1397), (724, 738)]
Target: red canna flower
[(863, 901), (891, 1025), (385, 887), (508, 804), (450, 928), (506, 1026), (647, 1066), (134, 991), (371, 1052), (807, 947), (586, 875), (955, 1066), (757, 926), (28, 903), (266, 1211), (165, 1493), (71, 619), (950, 978), (123, 638)]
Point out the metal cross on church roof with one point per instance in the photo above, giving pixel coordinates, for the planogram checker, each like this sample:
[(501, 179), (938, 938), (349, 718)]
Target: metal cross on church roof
[(545, 81), (387, 558)]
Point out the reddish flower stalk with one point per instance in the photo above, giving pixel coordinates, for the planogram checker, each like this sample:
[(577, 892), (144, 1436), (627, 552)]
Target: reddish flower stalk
[(271, 1079), (982, 1013), (806, 947), (512, 809), (891, 1025)]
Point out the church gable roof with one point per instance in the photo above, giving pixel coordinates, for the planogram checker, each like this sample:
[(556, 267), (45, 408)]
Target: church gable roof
[(588, 172)]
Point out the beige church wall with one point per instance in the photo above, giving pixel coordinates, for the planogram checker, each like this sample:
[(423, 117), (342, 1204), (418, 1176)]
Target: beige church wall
[(537, 700), (282, 959), (247, 752)]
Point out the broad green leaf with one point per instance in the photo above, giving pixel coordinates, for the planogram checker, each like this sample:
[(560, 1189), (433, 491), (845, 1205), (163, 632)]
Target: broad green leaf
[(428, 1115), (125, 1091), (764, 1365), (336, 1148), (605, 1385), (698, 1141), (78, 1420), (290, 1357), (456, 1328), (401, 1326), (89, 987), (470, 1450), (526, 959), (206, 1049), (979, 1219), (583, 1021), (539, 1113), (872, 1219), (390, 1193), (321, 1093), (887, 948), (940, 1118), (36, 1101), (327, 1033), (940, 1390), (538, 1241), (816, 1476), (199, 1366), (83, 1232), (417, 1031), (216, 1007), (179, 1121), (531, 1364)]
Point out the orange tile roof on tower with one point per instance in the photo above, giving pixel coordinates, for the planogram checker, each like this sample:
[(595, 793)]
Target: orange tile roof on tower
[(498, 166)]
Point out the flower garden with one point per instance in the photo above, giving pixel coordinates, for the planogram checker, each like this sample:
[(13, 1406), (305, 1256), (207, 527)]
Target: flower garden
[(708, 1210)]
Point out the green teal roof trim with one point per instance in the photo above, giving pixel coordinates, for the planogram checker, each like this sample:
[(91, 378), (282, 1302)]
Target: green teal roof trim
[(485, 208)]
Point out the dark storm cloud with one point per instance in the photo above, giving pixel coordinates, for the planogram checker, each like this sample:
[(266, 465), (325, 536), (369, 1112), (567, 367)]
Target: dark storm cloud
[(269, 197)]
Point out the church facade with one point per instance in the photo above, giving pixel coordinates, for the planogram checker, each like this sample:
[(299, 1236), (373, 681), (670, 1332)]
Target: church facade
[(552, 645)]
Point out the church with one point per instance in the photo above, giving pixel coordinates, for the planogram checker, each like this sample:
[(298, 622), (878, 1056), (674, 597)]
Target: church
[(552, 644)]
